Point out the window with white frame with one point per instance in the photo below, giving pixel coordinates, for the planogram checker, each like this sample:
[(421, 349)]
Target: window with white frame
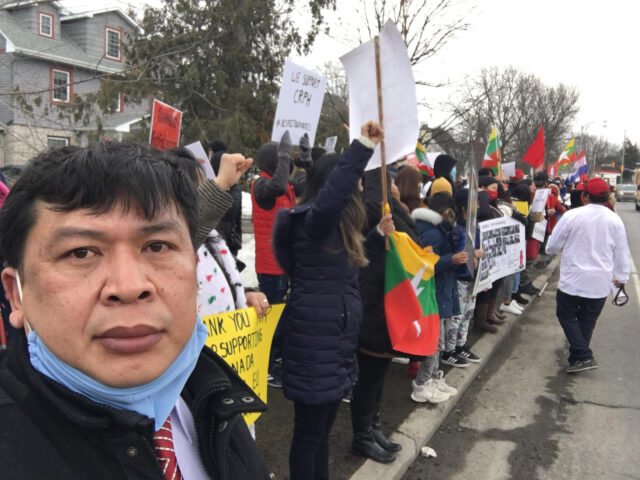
[(61, 80), (57, 142), (116, 104), (46, 25), (113, 44)]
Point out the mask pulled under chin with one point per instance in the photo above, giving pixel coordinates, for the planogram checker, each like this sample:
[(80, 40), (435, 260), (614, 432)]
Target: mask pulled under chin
[(154, 399)]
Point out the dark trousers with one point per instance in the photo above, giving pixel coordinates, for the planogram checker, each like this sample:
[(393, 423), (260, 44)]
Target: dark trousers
[(367, 392), (275, 288), (309, 455), (578, 316)]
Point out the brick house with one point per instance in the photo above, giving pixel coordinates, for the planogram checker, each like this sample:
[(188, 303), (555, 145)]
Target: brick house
[(49, 56)]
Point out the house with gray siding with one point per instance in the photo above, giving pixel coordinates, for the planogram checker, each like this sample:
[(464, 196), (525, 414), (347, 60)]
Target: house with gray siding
[(48, 59)]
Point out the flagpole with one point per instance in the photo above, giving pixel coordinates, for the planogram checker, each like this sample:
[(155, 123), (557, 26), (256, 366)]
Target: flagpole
[(383, 156)]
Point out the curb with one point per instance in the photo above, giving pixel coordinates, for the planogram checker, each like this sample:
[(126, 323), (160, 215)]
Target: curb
[(423, 422)]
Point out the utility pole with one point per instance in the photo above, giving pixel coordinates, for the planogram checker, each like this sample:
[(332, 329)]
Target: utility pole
[(622, 166)]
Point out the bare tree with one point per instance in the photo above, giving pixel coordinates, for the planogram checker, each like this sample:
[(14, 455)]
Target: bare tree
[(516, 103)]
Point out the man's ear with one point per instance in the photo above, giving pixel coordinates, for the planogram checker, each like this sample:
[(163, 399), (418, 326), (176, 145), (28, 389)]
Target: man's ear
[(10, 283)]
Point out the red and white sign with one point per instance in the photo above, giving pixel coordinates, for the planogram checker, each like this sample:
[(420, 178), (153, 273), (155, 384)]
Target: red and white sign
[(165, 126)]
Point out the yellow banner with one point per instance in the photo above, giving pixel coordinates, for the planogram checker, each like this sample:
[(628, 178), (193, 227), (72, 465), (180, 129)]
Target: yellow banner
[(243, 340), (522, 207)]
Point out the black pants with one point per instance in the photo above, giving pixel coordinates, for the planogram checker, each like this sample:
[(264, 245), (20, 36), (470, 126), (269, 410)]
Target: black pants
[(578, 316), (367, 392), (309, 455)]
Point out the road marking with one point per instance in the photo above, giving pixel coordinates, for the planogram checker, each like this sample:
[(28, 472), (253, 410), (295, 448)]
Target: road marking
[(634, 272)]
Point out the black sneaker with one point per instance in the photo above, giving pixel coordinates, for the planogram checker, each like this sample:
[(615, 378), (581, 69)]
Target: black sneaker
[(529, 289), (520, 299), (582, 365), (468, 355), (274, 380), (452, 358)]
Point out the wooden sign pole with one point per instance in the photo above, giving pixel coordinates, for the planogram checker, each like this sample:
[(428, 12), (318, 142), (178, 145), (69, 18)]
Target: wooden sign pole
[(383, 157)]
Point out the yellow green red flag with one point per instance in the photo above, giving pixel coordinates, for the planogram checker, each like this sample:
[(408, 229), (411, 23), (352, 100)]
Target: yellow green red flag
[(410, 296), (493, 154)]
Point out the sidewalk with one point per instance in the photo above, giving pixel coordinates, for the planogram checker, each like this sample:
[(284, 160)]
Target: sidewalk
[(405, 421)]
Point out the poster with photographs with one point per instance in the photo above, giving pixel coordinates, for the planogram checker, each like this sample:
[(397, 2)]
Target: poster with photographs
[(503, 242)]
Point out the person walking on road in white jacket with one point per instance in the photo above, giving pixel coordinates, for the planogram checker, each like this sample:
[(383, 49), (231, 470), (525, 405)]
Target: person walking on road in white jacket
[(595, 256)]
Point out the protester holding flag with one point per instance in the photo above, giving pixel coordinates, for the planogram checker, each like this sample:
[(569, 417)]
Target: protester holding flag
[(320, 246), (374, 345), (434, 226)]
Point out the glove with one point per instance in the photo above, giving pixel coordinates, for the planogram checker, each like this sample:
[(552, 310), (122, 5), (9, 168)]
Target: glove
[(285, 147), (305, 161)]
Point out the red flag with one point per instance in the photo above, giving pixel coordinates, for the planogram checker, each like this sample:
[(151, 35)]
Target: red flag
[(535, 154)]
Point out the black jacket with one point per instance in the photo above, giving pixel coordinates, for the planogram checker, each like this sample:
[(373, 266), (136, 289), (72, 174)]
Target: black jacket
[(321, 320), (374, 335), (48, 431)]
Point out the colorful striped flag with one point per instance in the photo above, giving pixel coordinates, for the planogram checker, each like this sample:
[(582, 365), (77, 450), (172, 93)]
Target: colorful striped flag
[(581, 169), (410, 296), (492, 157)]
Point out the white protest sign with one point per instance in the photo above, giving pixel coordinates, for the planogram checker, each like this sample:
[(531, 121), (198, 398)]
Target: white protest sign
[(509, 170), (330, 144), (299, 103), (202, 157), (503, 242), (540, 200), (399, 104), (539, 230)]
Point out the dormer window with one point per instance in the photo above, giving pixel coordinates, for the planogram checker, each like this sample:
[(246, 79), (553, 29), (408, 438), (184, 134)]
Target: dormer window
[(112, 44), (45, 25)]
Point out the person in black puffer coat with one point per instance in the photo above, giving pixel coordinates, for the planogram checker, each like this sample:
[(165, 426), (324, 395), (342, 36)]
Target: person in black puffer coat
[(319, 245), (374, 346)]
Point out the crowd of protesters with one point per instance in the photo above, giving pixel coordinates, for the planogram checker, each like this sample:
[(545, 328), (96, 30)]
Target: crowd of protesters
[(319, 248)]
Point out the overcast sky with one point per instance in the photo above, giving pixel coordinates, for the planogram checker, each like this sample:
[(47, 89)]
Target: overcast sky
[(592, 45)]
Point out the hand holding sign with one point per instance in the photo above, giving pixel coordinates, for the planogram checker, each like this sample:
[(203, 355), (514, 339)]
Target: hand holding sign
[(372, 131), (232, 167)]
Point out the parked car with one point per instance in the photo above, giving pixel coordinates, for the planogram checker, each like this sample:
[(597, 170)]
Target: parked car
[(638, 198), (626, 192)]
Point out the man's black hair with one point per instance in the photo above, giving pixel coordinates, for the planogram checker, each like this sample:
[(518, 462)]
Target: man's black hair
[(485, 171), (441, 201), (600, 200), (95, 178)]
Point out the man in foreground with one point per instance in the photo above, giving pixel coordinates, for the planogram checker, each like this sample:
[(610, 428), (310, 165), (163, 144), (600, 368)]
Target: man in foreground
[(595, 255), (108, 377)]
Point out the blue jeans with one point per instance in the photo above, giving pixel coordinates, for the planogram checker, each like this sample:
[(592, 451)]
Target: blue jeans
[(309, 455), (275, 288), (578, 316)]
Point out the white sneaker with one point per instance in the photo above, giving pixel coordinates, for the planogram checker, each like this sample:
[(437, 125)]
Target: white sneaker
[(442, 385), (510, 308), (517, 305), (427, 393)]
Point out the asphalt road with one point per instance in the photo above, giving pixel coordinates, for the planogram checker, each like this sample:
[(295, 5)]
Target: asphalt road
[(525, 419)]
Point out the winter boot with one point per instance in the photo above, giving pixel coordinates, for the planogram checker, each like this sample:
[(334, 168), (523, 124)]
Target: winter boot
[(365, 444), (381, 439), (480, 319), (492, 315)]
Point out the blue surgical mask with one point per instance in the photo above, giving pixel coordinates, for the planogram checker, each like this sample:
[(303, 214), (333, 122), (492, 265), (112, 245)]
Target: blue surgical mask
[(154, 399), (453, 172)]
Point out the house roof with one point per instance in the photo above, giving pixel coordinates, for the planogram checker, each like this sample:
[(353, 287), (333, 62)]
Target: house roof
[(64, 50), (119, 122), (93, 13)]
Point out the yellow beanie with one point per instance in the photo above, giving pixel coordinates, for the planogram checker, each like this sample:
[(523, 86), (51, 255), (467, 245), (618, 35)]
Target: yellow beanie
[(441, 185)]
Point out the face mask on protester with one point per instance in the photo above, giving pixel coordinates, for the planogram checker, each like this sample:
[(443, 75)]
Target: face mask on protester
[(453, 172), (492, 194)]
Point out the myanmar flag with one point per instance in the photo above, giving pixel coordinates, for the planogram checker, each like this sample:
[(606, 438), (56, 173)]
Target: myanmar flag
[(410, 296), (570, 154), (492, 157)]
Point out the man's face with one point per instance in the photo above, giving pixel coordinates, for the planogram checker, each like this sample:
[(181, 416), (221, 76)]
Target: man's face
[(113, 295)]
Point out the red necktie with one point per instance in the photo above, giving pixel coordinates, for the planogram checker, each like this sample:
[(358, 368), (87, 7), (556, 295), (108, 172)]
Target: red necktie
[(163, 440)]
